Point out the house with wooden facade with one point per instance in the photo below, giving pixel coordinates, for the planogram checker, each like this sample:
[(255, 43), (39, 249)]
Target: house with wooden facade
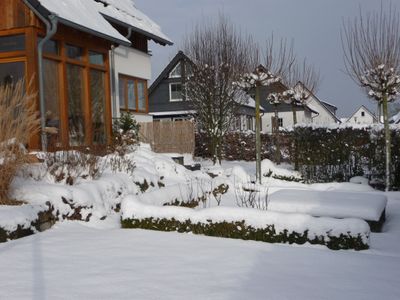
[(168, 100), (71, 54)]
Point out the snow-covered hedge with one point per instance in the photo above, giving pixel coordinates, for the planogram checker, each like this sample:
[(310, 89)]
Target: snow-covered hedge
[(248, 224), (366, 206), (20, 221), (323, 154)]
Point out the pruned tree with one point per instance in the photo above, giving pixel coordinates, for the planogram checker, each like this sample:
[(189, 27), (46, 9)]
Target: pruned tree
[(371, 44), (302, 81), (219, 56)]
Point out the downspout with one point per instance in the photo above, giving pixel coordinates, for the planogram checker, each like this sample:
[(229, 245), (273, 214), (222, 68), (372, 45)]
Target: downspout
[(51, 29), (113, 75)]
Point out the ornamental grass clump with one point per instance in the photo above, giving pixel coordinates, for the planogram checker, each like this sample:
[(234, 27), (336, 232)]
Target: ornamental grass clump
[(18, 122)]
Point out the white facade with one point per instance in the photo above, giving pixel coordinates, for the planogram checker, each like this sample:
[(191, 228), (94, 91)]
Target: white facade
[(324, 116), (133, 63), (362, 116), (286, 119)]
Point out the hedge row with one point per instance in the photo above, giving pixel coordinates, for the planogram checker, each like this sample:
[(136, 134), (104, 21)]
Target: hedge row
[(240, 230), (321, 154)]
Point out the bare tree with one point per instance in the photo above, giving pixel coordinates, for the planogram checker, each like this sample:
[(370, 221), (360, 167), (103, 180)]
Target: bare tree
[(371, 45), (220, 54), (302, 81)]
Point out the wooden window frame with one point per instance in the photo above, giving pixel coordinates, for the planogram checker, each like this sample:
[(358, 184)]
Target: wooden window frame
[(64, 60), (126, 108)]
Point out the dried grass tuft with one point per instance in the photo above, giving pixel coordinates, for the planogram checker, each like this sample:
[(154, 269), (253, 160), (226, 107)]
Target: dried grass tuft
[(18, 122)]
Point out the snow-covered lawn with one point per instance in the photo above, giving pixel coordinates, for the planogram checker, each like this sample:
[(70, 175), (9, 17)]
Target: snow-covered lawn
[(84, 261), (99, 260)]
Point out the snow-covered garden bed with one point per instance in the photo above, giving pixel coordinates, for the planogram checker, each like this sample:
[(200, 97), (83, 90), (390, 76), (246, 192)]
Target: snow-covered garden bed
[(367, 206), (248, 224)]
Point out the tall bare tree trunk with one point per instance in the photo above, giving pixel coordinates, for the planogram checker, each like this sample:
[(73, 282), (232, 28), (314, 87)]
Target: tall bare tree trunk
[(258, 136), (277, 144), (387, 141)]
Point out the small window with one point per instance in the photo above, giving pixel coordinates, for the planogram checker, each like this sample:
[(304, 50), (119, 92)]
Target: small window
[(176, 72), (132, 94), (96, 58), (74, 52), (280, 122), (12, 43), (50, 47), (175, 92), (362, 114), (11, 72)]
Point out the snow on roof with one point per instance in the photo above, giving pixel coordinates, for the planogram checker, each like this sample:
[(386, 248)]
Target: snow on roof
[(252, 103), (395, 119), (312, 108), (126, 12), (86, 16)]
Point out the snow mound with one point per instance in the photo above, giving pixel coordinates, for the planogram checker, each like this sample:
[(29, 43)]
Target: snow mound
[(13, 216), (359, 180), (366, 206), (268, 169), (132, 207)]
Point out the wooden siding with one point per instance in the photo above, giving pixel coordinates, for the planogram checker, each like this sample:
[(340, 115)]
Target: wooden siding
[(15, 14), (169, 136)]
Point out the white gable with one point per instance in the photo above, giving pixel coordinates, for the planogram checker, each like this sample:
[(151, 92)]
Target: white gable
[(362, 116)]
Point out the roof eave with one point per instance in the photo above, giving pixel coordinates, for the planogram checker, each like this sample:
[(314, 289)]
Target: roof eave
[(154, 37)]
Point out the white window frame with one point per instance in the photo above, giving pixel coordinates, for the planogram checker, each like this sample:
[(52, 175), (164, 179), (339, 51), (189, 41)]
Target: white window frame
[(174, 69), (170, 92)]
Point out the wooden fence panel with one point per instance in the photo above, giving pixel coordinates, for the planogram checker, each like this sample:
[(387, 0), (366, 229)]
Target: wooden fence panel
[(169, 136)]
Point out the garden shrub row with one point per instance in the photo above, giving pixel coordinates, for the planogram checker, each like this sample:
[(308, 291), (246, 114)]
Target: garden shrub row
[(322, 154), (240, 230)]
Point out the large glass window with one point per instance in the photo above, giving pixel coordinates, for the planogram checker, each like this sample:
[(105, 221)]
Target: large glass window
[(12, 43), (76, 100), (52, 100), (175, 92), (11, 72), (132, 94), (98, 104), (74, 52), (96, 58), (50, 47), (141, 95)]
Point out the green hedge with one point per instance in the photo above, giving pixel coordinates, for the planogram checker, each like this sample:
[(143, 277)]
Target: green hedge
[(321, 154), (240, 230)]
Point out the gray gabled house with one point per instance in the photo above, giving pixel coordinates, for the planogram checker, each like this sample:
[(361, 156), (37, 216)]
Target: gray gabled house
[(167, 99)]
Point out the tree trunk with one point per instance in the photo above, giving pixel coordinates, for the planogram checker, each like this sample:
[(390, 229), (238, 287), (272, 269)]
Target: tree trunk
[(387, 140), (258, 137), (277, 145), (294, 114)]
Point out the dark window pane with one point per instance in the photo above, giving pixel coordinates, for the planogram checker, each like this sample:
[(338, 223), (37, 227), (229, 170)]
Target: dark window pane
[(12, 43), (52, 100), (96, 58), (122, 96), (98, 102), (131, 94), (10, 73), (141, 95), (74, 52), (176, 91), (76, 119), (51, 46)]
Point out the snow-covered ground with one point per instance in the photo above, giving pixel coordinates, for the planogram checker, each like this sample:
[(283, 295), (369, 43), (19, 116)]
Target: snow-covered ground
[(76, 261), (99, 260)]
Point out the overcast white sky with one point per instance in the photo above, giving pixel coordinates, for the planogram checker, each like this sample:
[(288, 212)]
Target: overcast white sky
[(313, 24)]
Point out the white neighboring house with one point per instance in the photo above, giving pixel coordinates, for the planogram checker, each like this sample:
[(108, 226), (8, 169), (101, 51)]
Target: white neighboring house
[(132, 64), (314, 112), (362, 116)]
